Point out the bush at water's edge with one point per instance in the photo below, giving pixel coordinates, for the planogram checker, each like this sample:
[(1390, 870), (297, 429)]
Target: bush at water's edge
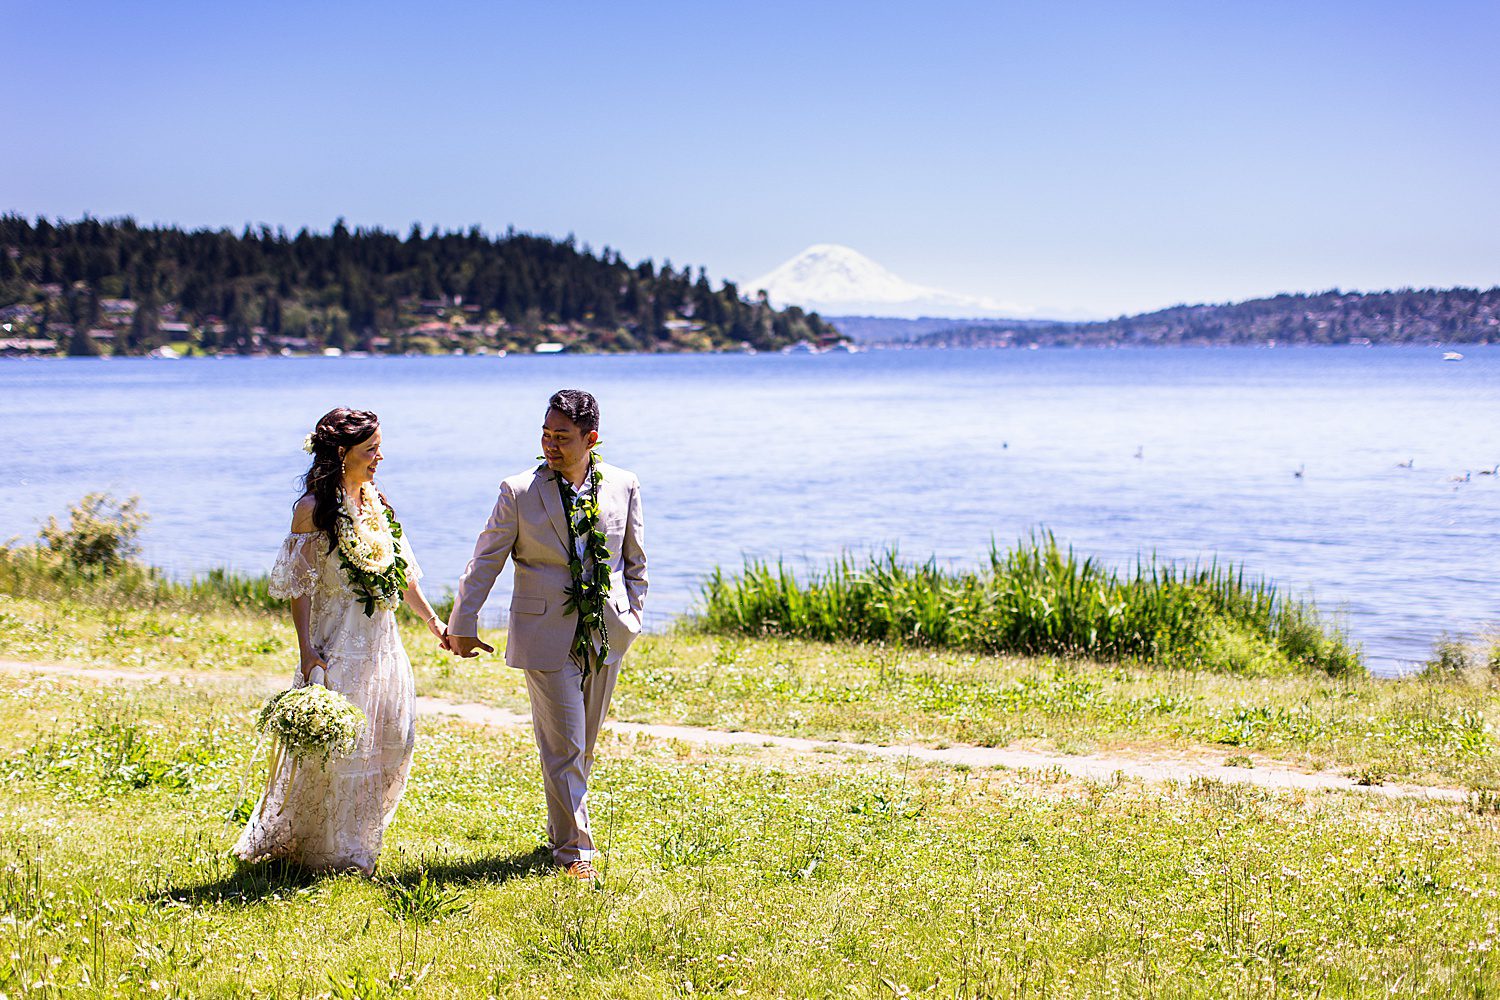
[(1038, 598)]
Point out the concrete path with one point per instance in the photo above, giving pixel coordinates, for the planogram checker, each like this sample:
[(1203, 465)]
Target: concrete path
[(1096, 767)]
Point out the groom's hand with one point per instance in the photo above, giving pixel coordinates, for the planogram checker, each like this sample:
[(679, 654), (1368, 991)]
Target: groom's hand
[(467, 646)]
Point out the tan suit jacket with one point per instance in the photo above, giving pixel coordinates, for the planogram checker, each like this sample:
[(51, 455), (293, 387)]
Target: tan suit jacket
[(528, 527)]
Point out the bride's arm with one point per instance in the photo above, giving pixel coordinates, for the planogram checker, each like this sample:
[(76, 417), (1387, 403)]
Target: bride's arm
[(301, 618), (413, 595), (302, 522), (417, 601)]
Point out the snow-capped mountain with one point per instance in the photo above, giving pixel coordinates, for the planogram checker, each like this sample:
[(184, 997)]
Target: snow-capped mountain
[(837, 281)]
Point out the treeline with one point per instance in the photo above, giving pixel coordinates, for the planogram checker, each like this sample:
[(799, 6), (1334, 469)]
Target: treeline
[(1407, 316), (119, 287)]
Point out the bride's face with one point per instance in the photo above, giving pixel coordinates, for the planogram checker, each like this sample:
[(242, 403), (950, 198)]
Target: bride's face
[(361, 460), (564, 446)]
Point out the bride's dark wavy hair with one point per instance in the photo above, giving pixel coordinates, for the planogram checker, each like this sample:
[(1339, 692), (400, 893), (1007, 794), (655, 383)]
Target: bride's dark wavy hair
[(338, 428)]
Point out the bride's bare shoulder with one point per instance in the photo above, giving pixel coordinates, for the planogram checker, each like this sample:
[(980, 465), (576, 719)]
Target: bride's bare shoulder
[(302, 515)]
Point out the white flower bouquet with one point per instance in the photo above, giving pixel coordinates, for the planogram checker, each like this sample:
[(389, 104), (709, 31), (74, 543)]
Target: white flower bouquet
[(310, 721)]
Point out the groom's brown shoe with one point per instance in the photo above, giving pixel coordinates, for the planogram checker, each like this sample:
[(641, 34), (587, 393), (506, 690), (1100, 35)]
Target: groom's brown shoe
[(581, 870)]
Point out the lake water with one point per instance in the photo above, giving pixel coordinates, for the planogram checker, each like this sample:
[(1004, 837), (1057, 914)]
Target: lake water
[(1190, 453)]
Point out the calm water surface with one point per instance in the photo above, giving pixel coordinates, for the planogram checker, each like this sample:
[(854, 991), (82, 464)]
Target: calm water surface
[(1190, 453)]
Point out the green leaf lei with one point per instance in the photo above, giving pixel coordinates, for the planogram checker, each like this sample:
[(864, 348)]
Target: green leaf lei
[(587, 594), (383, 589)]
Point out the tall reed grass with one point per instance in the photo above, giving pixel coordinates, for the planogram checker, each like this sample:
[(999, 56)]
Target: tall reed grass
[(1038, 598)]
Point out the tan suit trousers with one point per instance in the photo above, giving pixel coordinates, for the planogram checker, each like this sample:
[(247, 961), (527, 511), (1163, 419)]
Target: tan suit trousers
[(566, 719)]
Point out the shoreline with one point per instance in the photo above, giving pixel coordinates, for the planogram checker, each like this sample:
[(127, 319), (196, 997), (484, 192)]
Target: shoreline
[(859, 347)]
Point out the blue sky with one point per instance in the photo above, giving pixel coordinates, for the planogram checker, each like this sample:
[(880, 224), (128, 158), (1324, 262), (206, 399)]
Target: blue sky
[(1110, 157)]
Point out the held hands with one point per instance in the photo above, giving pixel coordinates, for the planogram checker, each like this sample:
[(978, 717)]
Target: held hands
[(467, 646)]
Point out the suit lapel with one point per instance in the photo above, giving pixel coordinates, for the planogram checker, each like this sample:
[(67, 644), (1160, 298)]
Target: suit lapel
[(552, 503)]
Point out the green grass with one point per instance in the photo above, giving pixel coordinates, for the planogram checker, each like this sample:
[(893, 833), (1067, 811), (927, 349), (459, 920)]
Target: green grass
[(1436, 728), (1421, 729), (728, 873), (741, 872), (34, 572), (1038, 599)]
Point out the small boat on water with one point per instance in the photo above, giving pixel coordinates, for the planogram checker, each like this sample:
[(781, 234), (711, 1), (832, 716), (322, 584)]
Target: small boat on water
[(1452, 356)]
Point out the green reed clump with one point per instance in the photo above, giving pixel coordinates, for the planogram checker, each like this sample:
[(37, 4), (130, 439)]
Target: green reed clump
[(1038, 598)]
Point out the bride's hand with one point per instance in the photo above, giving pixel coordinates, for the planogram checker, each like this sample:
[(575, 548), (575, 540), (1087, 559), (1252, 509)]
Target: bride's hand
[(311, 659), (437, 627)]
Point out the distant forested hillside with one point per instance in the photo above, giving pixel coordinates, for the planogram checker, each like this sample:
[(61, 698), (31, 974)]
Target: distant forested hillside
[(887, 329), (116, 287), (1438, 316)]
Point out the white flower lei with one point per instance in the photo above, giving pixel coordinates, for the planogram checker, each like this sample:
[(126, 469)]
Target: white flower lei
[(364, 535)]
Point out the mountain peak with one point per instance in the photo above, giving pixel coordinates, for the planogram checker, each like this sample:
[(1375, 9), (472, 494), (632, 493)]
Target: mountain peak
[(836, 280)]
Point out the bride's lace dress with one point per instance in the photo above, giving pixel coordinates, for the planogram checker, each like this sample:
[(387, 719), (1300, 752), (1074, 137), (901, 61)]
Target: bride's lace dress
[(331, 817)]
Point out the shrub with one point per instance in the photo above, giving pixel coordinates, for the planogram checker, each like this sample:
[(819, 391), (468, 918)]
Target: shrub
[(100, 535), (92, 558), (1450, 658)]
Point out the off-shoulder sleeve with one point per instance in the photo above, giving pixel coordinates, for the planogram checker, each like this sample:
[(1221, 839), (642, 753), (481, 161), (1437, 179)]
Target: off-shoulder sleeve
[(295, 573), (413, 571)]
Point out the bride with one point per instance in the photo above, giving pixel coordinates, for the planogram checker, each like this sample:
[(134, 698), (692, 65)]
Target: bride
[(345, 567)]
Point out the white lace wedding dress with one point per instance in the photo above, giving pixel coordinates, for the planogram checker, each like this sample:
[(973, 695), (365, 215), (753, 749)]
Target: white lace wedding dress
[(331, 817)]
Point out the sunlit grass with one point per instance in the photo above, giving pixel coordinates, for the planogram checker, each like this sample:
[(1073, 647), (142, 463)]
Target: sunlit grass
[(35, 572), (731, 873), (1434, 728)]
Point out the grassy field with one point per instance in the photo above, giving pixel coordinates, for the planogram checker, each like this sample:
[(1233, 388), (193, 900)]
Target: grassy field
[(733, 874), (1438, 728), (744, 872)]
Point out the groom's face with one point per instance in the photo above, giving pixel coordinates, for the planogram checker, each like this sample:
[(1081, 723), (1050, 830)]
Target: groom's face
[(564, 446)]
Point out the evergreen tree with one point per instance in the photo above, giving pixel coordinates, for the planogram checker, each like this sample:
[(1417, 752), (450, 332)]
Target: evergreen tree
[(81, 345), (145, 325)]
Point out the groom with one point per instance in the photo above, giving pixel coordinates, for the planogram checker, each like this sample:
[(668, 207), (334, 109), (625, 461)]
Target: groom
[(576, 606)]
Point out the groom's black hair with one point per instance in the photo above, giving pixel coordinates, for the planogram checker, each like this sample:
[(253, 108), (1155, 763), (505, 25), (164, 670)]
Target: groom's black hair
[(578, 406)]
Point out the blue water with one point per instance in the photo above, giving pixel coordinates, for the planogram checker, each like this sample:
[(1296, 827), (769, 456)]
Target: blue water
[(936, 452)]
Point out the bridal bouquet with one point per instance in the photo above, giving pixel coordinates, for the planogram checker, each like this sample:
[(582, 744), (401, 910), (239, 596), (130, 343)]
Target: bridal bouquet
[(309, 721), (312, 720)]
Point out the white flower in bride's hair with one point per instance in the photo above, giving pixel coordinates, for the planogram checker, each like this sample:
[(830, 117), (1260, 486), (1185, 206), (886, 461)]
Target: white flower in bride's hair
[(307, 444)]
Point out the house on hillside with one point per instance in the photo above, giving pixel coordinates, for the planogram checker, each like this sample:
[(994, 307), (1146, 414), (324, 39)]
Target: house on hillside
[(17, 346)]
